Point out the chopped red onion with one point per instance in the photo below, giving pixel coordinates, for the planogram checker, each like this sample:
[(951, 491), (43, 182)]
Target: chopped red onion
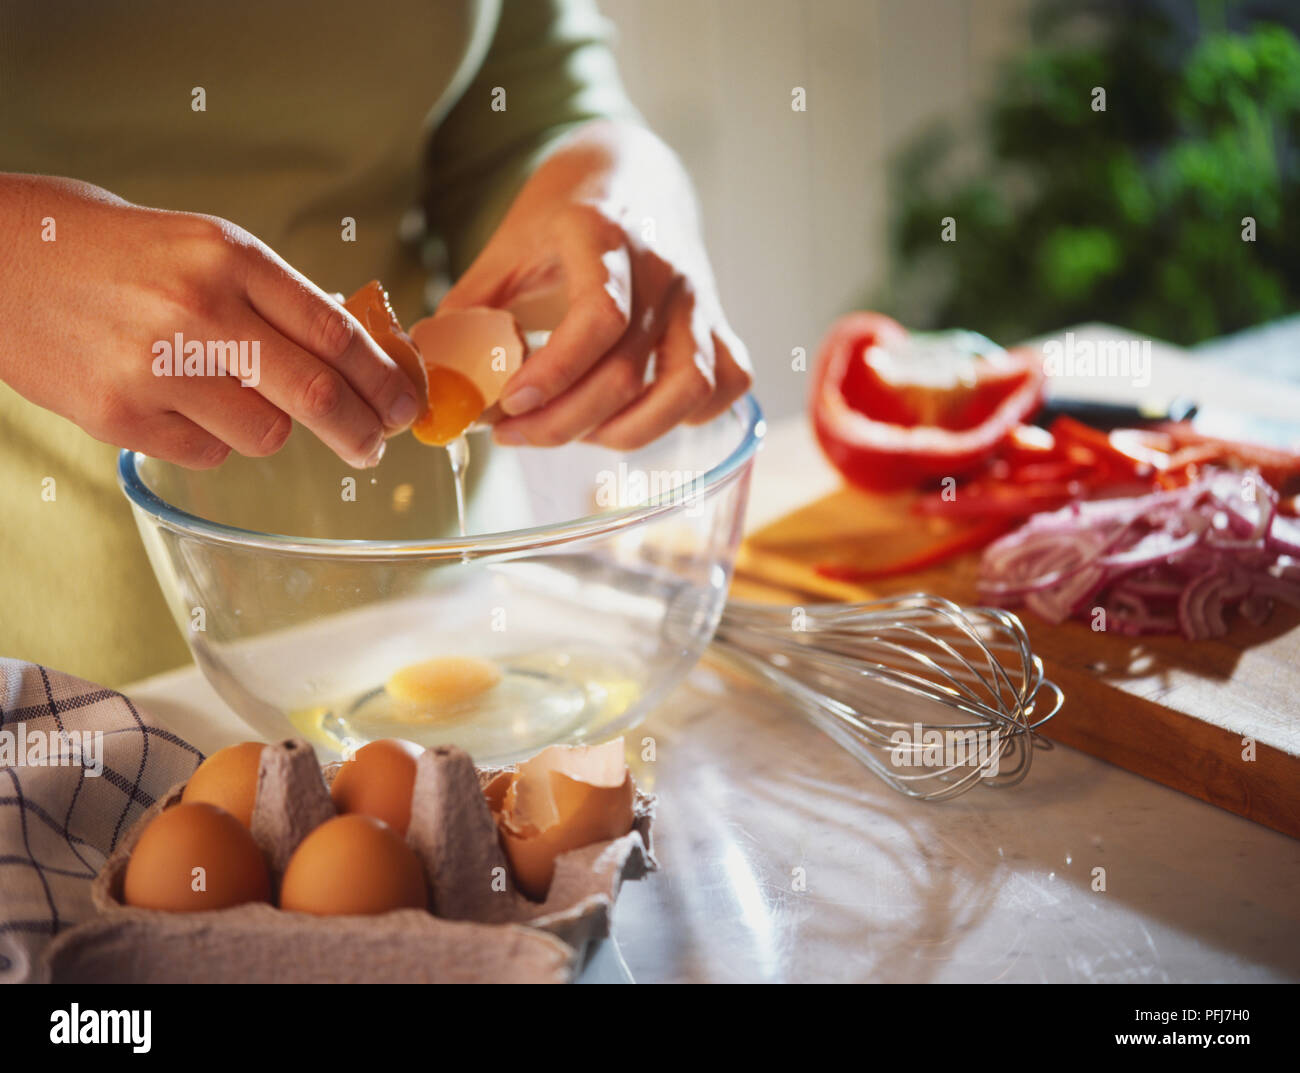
[(1171, 561)]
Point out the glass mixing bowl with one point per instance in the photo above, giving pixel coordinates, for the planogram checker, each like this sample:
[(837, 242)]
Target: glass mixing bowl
[(590, 582)]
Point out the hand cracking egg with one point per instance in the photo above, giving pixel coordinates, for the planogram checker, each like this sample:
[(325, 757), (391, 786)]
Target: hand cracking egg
[(459, 359)]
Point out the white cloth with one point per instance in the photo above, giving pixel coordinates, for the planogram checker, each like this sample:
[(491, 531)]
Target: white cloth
[(78, 765)]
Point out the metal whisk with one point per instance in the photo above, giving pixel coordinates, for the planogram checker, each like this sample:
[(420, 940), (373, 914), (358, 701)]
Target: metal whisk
[(932, 697)]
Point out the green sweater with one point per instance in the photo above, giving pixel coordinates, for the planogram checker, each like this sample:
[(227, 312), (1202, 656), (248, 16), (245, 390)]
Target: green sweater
[(314, 112)]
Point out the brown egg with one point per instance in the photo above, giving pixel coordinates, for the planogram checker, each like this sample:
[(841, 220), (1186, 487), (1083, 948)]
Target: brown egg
[(193, 857), (561, 800), (228, 779), (350, 866), (378, 781)]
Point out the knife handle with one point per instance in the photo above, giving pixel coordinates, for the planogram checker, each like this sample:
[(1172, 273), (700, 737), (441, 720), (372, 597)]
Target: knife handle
[(1109, 415)]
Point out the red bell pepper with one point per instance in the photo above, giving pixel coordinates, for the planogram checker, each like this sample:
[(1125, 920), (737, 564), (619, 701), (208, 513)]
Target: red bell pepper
[(889, 420)]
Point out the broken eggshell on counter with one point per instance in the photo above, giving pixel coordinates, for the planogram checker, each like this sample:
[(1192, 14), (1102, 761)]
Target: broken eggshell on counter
[(484, 928)]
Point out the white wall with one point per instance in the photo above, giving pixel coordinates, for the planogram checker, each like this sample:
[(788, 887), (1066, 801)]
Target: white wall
[(795, 203)]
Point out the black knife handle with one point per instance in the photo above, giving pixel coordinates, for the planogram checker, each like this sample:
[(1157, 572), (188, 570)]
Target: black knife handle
[(1109, 415)]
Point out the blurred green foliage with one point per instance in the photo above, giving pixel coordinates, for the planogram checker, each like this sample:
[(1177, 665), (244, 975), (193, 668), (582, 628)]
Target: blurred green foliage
[(1132, 215)]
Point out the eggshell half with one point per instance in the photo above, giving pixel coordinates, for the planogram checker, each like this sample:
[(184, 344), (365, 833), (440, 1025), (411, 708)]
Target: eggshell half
[(535, 802), (464, 349), (561, 800), (370, 305)]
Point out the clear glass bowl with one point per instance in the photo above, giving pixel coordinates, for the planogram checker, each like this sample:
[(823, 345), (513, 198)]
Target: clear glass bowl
[(590, 580)]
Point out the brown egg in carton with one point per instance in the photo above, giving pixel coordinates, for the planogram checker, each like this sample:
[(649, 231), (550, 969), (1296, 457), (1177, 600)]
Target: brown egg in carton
[(477, 929)]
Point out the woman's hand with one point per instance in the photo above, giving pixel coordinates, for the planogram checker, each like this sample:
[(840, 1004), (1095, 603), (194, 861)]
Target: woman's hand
[(80, 317), (610, 216)]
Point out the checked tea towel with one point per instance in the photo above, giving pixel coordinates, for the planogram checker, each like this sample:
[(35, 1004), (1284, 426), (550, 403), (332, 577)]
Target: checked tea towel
[(78, 765)]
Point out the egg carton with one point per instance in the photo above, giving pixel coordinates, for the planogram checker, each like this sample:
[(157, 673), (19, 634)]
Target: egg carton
[(471, 933)]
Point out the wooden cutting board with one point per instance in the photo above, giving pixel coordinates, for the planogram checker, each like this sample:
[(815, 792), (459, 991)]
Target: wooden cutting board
[(1188, 715)]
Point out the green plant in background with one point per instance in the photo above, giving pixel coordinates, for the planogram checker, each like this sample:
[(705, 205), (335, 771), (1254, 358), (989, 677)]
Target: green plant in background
[(1132, 215)]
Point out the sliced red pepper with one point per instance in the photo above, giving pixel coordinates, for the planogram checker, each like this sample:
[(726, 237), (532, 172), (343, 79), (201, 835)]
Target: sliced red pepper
[(1183, 465), (1046, 472), (1107, 448), (1277, 465), (884, 431), (1029, 443)]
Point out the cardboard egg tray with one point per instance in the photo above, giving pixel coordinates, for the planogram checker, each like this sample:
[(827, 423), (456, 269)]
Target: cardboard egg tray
[(471, 933)]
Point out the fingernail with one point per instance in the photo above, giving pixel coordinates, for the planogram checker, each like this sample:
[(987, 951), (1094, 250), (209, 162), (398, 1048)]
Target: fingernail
[(523, 400), (510, 437), (368, 459), (403, 411)]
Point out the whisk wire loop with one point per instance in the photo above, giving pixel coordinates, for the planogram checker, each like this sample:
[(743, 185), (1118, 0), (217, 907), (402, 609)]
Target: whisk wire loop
[(933, 697)]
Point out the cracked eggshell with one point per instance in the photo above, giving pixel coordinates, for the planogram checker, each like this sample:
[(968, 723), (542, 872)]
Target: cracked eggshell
[(370, 305), (535, 801), (562, 800), (483, 345), (580, 902)]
